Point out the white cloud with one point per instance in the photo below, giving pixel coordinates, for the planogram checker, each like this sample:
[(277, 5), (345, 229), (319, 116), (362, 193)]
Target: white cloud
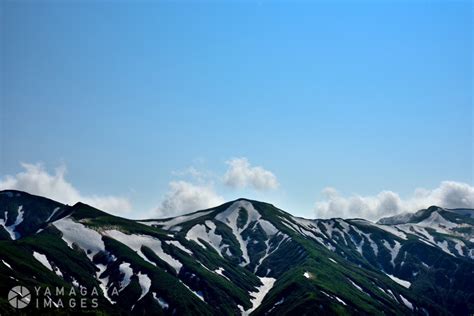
[(196, 191), (35, 179), (449, 194), (192, 172), (184, 197), (241, 175)]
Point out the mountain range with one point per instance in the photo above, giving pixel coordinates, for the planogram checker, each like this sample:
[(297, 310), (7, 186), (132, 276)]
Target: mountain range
[(241, 258)]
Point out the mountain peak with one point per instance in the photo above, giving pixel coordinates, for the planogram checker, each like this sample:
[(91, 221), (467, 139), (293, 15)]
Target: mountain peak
[(241, 257), (409, 217)]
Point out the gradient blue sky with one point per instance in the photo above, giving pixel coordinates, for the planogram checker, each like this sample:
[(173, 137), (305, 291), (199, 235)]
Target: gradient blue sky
[(360, 96)]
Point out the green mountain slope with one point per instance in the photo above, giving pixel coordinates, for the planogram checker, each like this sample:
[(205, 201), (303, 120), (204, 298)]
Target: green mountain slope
[(243, 257)]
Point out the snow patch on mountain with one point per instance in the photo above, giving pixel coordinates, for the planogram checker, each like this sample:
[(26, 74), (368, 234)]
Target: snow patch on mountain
[(340, 301), (214, 239), (259, 295), (359, 244), (167, 224), (307, 228), (358, 287), (438, 223), (52, 214), (43, 260), (206, 233), (275, 305), (84, 237), (388, 293), (392, 230), (11, 229), (127, 272), (267, 227), (443, 245), (145, 284), (374, 246), (220, 271), (58, 272), (307, 224), (403, 283), (406, 302), (394, 250), (103, 282), (329, 226), (163, 304), (6, 264), (198, 294), (177, 244), (334, 297), (289, 224), (420, 232), (269, 250), (230, 217), (355, 285), (458, 245), (135, 242)]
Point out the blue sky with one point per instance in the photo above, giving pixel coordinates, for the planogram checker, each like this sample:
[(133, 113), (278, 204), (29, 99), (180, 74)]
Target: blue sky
[(359, 96)]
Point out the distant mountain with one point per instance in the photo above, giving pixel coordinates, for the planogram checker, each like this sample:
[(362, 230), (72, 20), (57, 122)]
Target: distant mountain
[(243, 257)]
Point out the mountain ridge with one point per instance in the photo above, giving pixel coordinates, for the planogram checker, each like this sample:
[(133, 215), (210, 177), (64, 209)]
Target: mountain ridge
[(242, 257)]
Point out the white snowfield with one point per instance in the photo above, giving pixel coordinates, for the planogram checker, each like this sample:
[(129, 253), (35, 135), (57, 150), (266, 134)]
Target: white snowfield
[(43, 260), (11, 229), (406, 302), (340, 301), (388, 293), (307, 228), (145, 284), (441, 225), (269, 249), (178, 245), (392, 230), (91, 242), (58, 271), (198, 295), (52, 214), (394, 250), (6, 264), (259, 295), (221, 271), (325, 231), (269, 229), (438, 223), (163, 304), (127, 272), (103, 282), (207, 233), (84, 237), (356, 285), (334, 297), (329, 233), (135, 242), (403, 283), (168, 224), (230, 216)]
